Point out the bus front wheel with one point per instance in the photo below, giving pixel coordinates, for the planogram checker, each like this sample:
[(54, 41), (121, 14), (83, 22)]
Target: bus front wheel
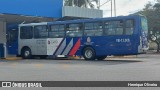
[(26, 53), (89, 53)]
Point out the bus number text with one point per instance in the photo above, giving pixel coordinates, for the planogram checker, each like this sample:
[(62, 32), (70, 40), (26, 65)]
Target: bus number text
[(123, 40)]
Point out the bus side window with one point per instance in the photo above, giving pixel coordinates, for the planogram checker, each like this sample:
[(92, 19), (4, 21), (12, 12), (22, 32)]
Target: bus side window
[(26, 32), (113, 27), (56, 31), (40, 31), (74, 30), (129, 27), (93, 29), (119, 28)]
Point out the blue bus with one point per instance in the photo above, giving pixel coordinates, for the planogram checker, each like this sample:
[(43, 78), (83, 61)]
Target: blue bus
[(94, 39)]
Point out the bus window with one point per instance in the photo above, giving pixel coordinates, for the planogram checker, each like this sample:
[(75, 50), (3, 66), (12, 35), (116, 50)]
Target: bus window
[(40, 31), (93, 29), (129, 27), (56, 31), (144, 24), (26, 32), (114, 27), (74, 30)]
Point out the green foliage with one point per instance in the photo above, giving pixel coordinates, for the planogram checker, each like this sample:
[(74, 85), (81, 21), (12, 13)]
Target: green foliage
[(152, 12), (80, 3)]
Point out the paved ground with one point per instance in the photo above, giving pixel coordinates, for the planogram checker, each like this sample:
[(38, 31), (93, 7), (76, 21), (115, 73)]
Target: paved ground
[(141, 68)]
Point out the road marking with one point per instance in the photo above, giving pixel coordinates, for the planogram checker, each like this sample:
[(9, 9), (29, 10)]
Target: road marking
[(65, 65), (14, 64), (39, 65), (13, 58)]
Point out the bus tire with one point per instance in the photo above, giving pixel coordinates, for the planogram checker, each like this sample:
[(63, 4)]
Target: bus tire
[(89, 53), (26, 53), (101, 57)]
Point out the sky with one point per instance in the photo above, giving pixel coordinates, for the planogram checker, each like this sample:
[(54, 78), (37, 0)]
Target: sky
[(124, 7)]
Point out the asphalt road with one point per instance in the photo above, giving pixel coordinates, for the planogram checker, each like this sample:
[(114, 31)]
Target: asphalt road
[(133, 68)]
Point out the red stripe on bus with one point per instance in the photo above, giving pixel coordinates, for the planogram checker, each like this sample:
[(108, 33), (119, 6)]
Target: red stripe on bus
[(75, 48)]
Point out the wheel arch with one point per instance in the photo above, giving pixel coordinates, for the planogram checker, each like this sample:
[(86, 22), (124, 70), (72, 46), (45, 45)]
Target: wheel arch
[(86, 47), (24, 47)]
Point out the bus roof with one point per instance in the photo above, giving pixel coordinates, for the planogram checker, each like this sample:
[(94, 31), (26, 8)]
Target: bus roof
[(29, 24), (95, 19), (81, 20)]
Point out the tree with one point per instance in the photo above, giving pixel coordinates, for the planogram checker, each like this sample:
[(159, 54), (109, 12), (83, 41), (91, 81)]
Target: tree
[(152, 12), (78, 3), (157, 7), (81, 3), (155, 37), (92, 5)]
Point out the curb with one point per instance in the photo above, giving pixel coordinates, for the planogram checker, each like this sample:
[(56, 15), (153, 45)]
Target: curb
[(13, 58), (127, 56)]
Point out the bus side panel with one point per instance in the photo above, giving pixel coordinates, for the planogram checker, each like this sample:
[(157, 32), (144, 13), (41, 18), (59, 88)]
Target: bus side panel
[(38, 47), (64, 46), (53, 44), (76, 48), (26, 43), (112, 45)]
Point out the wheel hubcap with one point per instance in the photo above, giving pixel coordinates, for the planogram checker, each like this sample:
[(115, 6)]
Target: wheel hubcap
[(26, 53), (88, 53)]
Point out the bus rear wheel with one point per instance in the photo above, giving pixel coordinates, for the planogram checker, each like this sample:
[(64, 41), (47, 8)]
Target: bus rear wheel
[(101, 57), (89, 53), (26, 53)]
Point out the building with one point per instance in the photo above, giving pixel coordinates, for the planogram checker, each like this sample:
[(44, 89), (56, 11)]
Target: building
[(26, 11)]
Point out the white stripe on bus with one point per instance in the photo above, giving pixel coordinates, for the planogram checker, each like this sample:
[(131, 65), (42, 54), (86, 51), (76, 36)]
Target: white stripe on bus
[(61, 48), (55, 45), (68, 48)]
